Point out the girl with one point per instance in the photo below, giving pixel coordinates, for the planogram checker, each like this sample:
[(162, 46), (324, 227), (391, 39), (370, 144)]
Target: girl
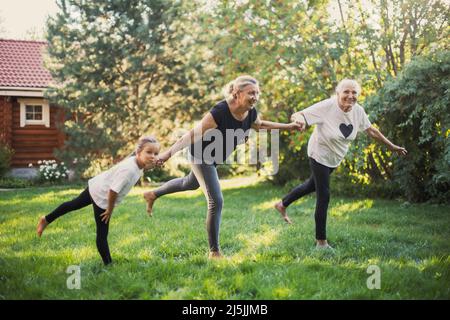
[(107, 190)]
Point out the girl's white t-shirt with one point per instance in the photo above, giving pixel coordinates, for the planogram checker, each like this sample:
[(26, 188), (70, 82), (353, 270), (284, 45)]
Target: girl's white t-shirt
[(334, 130), (120, 178)]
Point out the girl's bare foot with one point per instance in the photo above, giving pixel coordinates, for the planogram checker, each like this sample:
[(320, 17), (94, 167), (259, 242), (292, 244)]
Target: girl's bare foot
[(282, 209), (41, 226), (150, 197), (215, 255)]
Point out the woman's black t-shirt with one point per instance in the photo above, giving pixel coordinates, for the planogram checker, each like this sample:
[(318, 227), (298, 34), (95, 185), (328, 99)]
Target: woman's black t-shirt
[(217, 144)]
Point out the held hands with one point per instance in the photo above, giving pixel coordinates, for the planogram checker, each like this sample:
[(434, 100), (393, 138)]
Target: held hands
[(163, 157), (298, 122), (298, 126), (399, 150), (106, 216)]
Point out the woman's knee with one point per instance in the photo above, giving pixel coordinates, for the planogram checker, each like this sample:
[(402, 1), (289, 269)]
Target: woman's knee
[(194, 185), (215, 202), (191, 183)]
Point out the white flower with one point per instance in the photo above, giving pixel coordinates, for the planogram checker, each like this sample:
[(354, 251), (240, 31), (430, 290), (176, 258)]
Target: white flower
[(241, 2), (248, 16), (39, 162), (30, 165), (261, 22)]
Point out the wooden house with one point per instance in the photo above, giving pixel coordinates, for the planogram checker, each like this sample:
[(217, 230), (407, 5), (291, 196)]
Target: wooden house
[(28, 122)]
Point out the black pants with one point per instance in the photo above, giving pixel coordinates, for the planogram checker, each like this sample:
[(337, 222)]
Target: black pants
[(83, 200), (320, 183)]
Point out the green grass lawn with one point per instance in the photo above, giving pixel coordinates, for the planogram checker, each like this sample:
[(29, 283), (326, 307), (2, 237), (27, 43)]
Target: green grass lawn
[(165, 257)]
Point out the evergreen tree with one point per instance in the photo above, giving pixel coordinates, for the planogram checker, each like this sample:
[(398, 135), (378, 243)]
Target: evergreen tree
[(121, 69)]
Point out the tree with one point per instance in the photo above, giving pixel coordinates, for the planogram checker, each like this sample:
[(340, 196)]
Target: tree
[(299, 51), (392, 33), (295, 52), (396, 31), (121, 70), (415, 112)]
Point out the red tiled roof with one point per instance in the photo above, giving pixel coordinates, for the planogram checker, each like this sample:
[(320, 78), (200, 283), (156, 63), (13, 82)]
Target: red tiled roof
[(21, 64)]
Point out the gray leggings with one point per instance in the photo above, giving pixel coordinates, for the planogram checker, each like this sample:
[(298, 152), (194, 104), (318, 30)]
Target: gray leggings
[(204, 176)]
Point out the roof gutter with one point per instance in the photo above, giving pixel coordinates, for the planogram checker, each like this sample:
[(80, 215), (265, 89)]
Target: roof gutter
[(22, 92)]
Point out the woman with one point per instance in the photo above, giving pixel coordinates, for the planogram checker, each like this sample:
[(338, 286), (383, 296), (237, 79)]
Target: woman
[(235, 113), (337, 120)]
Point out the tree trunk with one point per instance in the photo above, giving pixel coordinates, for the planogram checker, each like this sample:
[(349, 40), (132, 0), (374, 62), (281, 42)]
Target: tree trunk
[(372, 53), (349, 60)]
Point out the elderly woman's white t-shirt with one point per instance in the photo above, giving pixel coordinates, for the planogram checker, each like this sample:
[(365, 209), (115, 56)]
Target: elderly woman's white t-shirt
[(334, 130), (120, 179)]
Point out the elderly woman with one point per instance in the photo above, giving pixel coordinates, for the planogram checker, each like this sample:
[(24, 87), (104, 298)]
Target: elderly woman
[(235, 113), (337, 120)]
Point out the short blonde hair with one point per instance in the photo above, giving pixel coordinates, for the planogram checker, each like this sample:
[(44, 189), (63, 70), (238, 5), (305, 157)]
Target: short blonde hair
[(238, 84), (345, 82)]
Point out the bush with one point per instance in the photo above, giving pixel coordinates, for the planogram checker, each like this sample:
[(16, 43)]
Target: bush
[(343, 185), (6, 154), (51, 171), (414, 111), (158, 174), (11, 182)]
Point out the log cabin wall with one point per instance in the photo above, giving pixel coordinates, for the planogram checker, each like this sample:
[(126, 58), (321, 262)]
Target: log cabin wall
[(32, 143), (5, 120)]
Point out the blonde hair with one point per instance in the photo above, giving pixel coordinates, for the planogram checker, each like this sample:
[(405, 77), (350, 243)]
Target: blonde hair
[(142, 142), (238, 84), (345, 82)]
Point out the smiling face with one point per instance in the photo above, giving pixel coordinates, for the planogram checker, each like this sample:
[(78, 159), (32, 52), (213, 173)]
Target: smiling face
[(248, 96), (347, 96), (148, 155)]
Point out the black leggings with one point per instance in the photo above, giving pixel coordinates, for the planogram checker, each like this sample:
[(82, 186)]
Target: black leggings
[(83, 200), (319, 182)]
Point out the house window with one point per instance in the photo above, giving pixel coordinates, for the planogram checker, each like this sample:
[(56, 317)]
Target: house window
[(34, 112)]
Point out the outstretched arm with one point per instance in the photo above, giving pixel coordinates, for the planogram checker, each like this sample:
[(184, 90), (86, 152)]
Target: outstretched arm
[(190, 137), (264, 124), (377, 135)]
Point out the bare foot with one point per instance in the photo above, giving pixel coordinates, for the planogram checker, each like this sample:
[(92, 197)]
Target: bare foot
[(323, 244), (150, 197), (282, 209), (215, 255), (41, 226)]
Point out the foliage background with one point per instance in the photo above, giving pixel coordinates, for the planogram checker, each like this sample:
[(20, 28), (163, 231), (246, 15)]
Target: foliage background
[(126, 68)]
